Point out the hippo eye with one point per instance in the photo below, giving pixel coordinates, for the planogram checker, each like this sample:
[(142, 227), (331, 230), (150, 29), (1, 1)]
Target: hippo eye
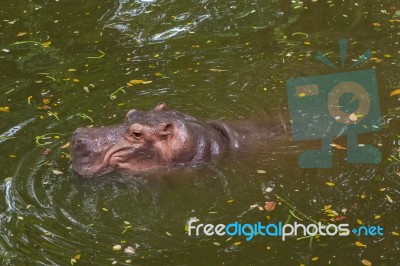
[(136, 134)]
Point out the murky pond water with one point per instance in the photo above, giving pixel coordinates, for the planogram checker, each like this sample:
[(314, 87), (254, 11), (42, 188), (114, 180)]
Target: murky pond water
[(67, 64)]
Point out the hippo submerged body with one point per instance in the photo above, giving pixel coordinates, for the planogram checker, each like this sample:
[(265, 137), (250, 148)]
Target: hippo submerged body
[(160, 138)]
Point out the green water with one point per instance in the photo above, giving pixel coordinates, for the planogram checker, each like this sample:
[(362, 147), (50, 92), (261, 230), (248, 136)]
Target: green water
[(66, 64)]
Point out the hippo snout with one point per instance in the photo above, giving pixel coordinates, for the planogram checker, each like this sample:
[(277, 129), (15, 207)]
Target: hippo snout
[(90, 149)]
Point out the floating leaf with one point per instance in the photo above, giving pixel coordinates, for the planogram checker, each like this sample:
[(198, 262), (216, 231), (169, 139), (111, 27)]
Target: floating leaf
[(359, 244), (395, 92), (230, 201), (395, 234), (389, 198), (377, 217), (376, 60), (330, 184), (366, 262), (117, 247), (136, 81), (359, 222), (57, 172), (66, 145), (340, 218), (217, 70), (269, 189), (168, 233), (237, 243), (353, 117), (19, 34), (4, 109), (46, 44), (261, 171), (314, 258), (104, 209), (130, 250), (270, 206), (337, 146)]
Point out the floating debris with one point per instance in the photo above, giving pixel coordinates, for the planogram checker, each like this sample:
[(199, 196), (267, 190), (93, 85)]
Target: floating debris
[(117, 247), (270, 206)]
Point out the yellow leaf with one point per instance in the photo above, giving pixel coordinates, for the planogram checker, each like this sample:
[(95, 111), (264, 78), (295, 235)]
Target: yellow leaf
[(19, 34), (46, 101), (387, 56), (314, 258), (237, 243), (376, 60), (230, 201), (306, 43), (395, 234), (359, 244), (66, 145), (77, 257), (376, 24), (359, 222), (330, 184), (377, 217), (389, 198), (395, 92), (4, 109), (104, 209), (261, 171), (136, 81), (366, 262), (147, 82), (326, 207), (46, 44), (156, 55), (72, 70), (12, 156), (363, 196), (382, 189), (339, 147)]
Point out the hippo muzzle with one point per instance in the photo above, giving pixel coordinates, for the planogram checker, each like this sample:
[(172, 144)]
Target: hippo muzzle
[(92, 148)]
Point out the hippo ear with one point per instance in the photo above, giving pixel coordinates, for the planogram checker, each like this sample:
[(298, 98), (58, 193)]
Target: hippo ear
[(161, 107), (165, 129)]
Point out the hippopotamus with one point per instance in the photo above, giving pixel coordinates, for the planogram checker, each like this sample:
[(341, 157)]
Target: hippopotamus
[(160, 138)]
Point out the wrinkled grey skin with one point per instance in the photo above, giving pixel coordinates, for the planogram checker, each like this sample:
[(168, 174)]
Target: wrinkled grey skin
[(158, 138)]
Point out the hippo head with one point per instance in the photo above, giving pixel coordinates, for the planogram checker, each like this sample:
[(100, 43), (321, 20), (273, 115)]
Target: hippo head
[(146, 139)]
